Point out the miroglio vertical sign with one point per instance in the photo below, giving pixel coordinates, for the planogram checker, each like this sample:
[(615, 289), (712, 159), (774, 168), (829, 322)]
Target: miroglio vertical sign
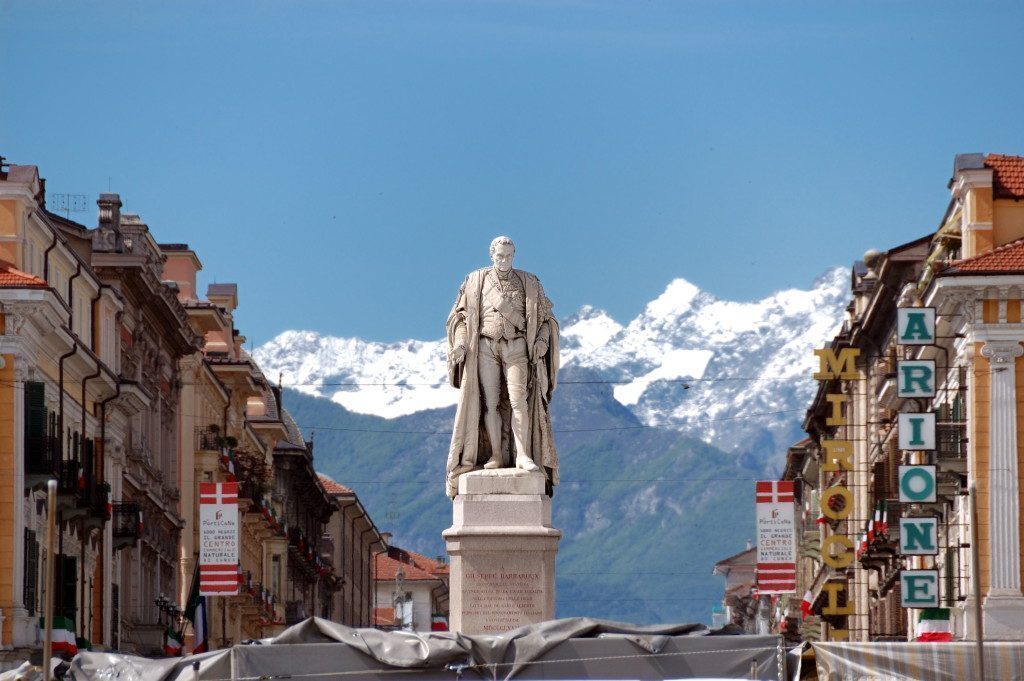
[(837, 501), (919, 588)]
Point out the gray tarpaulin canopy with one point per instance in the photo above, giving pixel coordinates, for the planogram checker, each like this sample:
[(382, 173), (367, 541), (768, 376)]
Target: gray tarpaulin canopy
[(952, 661), (571, 648)]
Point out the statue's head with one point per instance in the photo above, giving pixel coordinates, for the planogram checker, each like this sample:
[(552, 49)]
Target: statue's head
[(502, 253)]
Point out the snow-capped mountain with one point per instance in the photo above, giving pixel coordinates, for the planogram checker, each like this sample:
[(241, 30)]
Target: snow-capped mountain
[(732, 373)]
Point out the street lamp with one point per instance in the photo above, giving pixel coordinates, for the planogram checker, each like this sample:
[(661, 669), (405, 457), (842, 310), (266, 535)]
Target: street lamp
[(161, 602)]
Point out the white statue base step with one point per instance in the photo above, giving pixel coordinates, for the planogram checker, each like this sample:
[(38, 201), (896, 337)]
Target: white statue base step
[(502, 548)]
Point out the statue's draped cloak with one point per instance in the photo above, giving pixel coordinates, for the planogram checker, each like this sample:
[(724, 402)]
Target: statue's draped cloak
[(470, 447)]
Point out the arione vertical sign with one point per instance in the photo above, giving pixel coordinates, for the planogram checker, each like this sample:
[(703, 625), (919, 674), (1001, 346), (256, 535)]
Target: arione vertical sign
[(218, 538), (776, 537)]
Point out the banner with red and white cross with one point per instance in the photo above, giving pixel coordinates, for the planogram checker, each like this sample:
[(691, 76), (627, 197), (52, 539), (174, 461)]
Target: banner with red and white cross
[(776, 537), (218, 538)]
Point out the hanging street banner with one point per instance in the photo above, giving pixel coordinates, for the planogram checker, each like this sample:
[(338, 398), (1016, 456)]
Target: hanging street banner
[(218, 538), (776, 537)]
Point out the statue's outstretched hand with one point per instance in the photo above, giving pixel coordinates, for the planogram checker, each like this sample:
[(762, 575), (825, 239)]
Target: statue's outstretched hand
[(459, 354)]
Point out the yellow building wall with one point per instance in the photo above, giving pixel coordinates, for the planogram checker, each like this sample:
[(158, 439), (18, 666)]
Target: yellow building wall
[(990, 311), (7, 500), (979, 435), (1008, 224), (8, 217), (1013, 311), (978, 209)]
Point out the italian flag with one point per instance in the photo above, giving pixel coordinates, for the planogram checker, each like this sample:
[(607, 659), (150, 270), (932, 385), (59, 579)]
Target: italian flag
[(805, 605), (934, 626), (64, 640), (438, 622), (172, 646), (195, 612)]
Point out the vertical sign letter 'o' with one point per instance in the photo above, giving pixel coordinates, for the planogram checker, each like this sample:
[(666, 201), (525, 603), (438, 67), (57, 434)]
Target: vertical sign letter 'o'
[(917, 484)]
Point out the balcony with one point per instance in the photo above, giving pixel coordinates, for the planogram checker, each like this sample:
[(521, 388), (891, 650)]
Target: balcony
[(209, 439), (99, 506), (42, 460), (951, 445), (127, 524)]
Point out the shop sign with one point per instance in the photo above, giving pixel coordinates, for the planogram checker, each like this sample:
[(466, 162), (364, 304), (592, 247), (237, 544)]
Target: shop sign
[(915, 378), (218, 538), (916, 431), (917, 484), (919, 589), (919, 536), (915, 326), (776, 537)]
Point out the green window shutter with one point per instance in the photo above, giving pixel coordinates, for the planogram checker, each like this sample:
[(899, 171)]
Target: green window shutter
[(31, 571), (36, 454), (66, 583)]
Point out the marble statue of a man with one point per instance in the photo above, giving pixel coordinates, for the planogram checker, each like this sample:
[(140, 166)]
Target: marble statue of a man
[(503, 358)]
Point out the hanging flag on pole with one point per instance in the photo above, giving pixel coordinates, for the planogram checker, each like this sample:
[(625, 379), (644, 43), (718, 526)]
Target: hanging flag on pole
[(776, 537), (172, 642), (933, 626), (218, 538), (195, 612), (64, 639), (805, 605)]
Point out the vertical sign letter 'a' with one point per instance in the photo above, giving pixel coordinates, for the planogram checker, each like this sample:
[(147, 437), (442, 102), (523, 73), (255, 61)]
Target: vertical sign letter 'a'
[(915, 326)]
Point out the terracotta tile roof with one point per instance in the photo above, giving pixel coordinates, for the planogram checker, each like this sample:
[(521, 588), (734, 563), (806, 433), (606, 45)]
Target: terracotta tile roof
[(1007, 175), (429, 564), (334, 487), (383, 617), (12, 277), (1004, 259), (385, 569)]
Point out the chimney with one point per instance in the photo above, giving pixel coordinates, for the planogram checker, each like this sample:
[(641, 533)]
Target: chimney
[(108, 232)]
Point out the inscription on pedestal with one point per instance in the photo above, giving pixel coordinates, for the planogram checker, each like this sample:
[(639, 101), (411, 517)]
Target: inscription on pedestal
[(502, 550), (495, 602)]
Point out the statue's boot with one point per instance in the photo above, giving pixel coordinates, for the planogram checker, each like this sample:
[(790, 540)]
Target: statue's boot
[(526, 463), (493, 462)]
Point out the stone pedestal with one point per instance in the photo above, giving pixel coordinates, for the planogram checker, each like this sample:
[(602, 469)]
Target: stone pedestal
[(502, 548)]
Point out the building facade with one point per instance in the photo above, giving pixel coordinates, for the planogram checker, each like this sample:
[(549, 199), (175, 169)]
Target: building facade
[(412, 591), (970, 272), (125, 386)]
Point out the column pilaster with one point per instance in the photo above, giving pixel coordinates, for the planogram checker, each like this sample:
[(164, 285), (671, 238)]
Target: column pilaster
[(1004, 603)]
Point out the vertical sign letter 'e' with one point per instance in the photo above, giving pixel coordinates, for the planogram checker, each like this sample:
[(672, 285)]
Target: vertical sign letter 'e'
[(919, 589)]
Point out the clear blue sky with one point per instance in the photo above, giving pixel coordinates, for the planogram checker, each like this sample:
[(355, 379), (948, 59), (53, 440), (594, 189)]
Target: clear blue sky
[(346, 163)]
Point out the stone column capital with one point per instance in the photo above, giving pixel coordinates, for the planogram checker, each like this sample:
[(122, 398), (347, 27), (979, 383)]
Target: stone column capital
[(1002, 352)]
